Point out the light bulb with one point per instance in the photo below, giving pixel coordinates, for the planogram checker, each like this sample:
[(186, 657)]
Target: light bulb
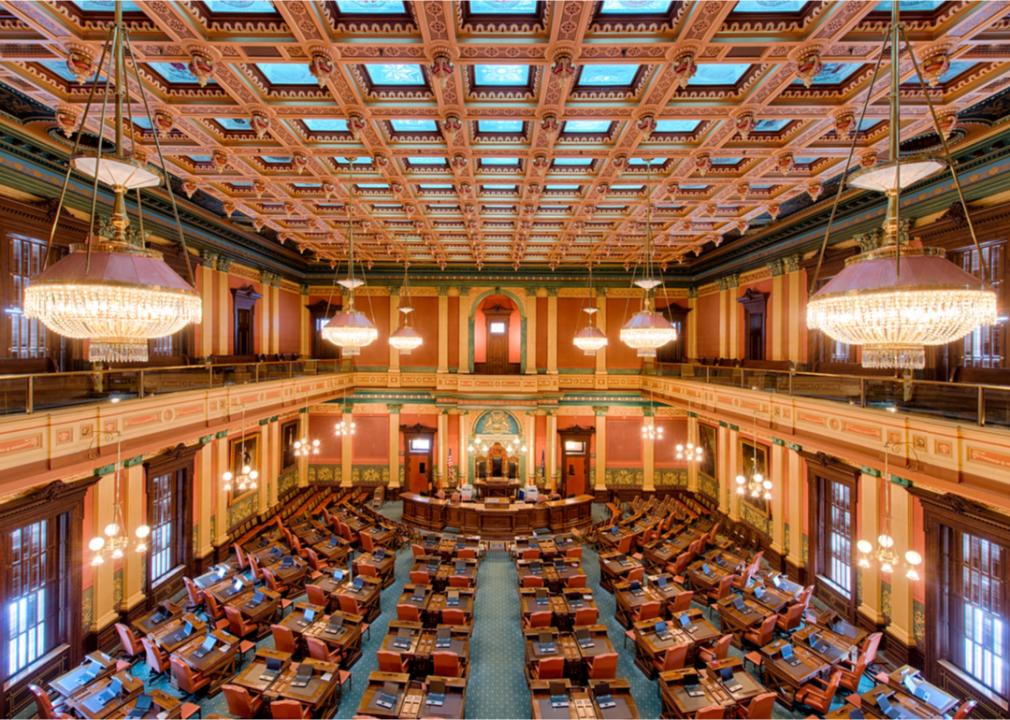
[(252, 486), (767, 484), (864, 547), (768, 496), (142, 531), (96, 543), (741, 491), (912, 574), (254, 474), (886, 567), (117, 554), (227, 487), (315, 443), (759, 478), (680, 448), (912, 557), (141, 547), (97, 560), (227, 476), (111, 530), (315, 451), (740, 480), (246, 469), (885, 541)]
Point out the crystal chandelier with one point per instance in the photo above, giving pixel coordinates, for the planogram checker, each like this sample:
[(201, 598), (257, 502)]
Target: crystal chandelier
[(247, 475), (113, 543), (648, 330), (885, 554), (756, 485), (112, 290), (897, 300), (689, 452), (344, 427), (405, 338), (590, 339), (652, 431), (305, 447), (349, 328)]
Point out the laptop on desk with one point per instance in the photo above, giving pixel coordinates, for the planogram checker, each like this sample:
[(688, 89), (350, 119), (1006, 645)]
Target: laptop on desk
[(256, 599), (335, 625), (436, 693), (387, 696), (302, 676), (789, 656), (452, 598), (308, 617), (141, 707), (559, 695), (443, 638), (604, 699), (402, 640), (584, 639), (546, 644), (272, 670), (662, 631), (206, 647)]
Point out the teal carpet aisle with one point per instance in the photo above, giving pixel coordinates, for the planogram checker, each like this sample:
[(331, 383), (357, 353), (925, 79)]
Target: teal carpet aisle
[(497, 683)]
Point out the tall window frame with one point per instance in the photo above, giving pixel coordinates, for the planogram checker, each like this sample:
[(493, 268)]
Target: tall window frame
[(985, 346), (169, 486), (833, 512)]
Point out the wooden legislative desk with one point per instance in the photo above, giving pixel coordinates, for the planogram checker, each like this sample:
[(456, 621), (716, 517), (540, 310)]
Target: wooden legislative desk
[(498, 520)]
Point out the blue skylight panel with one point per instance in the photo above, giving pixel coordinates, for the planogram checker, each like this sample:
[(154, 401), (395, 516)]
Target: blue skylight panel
[(276, 159), (868, 124), (594, 127), (241, 183), (906, 6), (142, 121), (718, 73), (373, 185), (500, 126), (103, 6), (503, 7), (562, 187), (407, 126), (770, 126), (303, 185), (325, 124), (395, 74), (832, 74), (654, 162), (499, 187), (573, 161), (436, 186), (371, 7), (362, 160), (677, 126), (608, 75), (287, 73), (501, 75), (769, 6), (500, 161), (256, 7), (237, 124), (692, 186), (725, 160), (426, 160), (626, 187), (761, 186), (175, 72), (804, 160), (200, 158), (634, 7)]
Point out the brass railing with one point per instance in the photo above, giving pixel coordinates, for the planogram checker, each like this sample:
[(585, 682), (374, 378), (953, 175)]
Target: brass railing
[(48, 391), (964, 402)]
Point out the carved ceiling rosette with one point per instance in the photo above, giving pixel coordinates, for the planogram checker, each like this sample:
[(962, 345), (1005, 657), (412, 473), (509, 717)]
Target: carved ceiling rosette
[(563, 66), (260, 123), (845, 122), (80, 60), (934, 62), (550, 125), (814, 189), (219, 159), (189, 187), (702, 163), (300, 161), (645, 125), (684, 68), (356, 124), (452, 124), (808, 64), (947, 120), (202, 63), (321, 65), (164, 120), (67, 119), (868, 158), (773, 210), (442, 66), (743, 122), (785, 162)]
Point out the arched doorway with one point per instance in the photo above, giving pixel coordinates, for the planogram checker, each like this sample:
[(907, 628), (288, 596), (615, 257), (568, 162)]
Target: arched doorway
[(497, 330)]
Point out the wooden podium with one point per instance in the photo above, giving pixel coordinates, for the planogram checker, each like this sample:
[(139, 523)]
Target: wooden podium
[(496, 487)]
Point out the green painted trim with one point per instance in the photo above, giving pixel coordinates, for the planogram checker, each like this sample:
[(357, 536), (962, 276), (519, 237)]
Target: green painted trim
[(576, 371), (795, 447), (303, 411), (221, 434), (371, 368), (105, 470), (723, 424), (418, 368), (130, 462), (692, 414), (624, 371), (872, 472), (778, 441), (903, 482), (264, 421), (734, 428), (207, 439)]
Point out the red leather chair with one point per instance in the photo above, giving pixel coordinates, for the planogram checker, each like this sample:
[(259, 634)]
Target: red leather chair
[(240, 556), (603, 666), (964, 709), (319, 650), (408, 612), (157, 659), (284, 638), (549, 668), (367, 543), (237, 624), (673, 659), (213, 608), (586, 616), (368, 570), (818, 694), (532, 581), (870, 646), (349, 604), (447, 664), (312, 558), (718, 651), (390, 661), (648, 610), (193, 593), (681, 602), (624, 545), (460, 581), (453, 616), (763, 633), (44, 705), (273, 583), (758, 708), (289, 710), (792, 618), (254, 565), (574, 553), (317, 596), (129, 640), (531, 554), (466, 554), (636, 574), (576, 581), (185, 679), (711, 712), (722, 589), (417, 551), (420, 577), (242, 703), (540, 618)]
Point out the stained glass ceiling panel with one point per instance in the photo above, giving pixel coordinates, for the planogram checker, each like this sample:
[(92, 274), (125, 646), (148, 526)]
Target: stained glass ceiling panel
[(769, 6), (395, 74), (718, 73), (175, 73), (501, 75), (634, 7), (770, 125), (276, 159), (371, 7), (363, 160), (915, 6), (407, 126), (573, 161), (426, 160), (503, 161), (869, 123), (654, 162), (325, 124), (255, 7), (607, 75), (436, 186), (142, 122), (503, 7), (677, 126), (725, 160), (500, 126), (832, 74), (287, 73), (237, 124), (105, 6), (587, 126)]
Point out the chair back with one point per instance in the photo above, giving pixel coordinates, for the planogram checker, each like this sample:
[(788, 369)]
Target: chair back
[(317, 596), (540, 618), (213, 609), (792, 617), (254, 565), (832, 687), (459, 581), (129, 641), (390, 661), (241, 559), (637, 574), (271, 579), (405, 611), (710, 712), (964, 710), (551, 668), (368, 570), (531, 554), (416, 550), (870, 646), (675, 657), (349, 604), (286, 710), (760, 707), (696, 547), (155, 660), (240, 702), (183, 675), (624, 546), (236, 623), (764, 633), (604, 666), (193, 592), (447, 664), (649, 610), (681, 563), (574, 553), (420, 577), (682, 602), (43, 705), (721, 648), (586, 616), (367, 543), (725, 584), (284, 638), (453, 616), (466, 554), (532, 581), (313, 559), (317, 648)]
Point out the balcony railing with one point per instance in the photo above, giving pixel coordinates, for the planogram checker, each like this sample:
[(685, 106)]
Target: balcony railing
[(48, 391), (977, 404)]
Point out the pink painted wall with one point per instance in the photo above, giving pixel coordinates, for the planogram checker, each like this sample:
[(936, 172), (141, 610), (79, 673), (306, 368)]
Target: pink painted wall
[(624, 442), (289, 311), (370, 444), (706, 314), (664, 451)]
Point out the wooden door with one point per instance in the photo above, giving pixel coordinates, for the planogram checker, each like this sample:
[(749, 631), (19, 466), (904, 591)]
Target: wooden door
[(497, 360), (575, 448)]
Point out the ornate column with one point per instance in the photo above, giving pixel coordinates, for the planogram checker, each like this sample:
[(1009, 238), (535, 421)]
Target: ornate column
[(730, 316), (219, 451), (463, 461), (692, 437), (394, 444), (601, 324), (305, 323), (206, 481), (443, 446), (552, 449), (870, 601), (796, 476), (303, 461), (268, 479), (776, 310), (901, 613), (601, 444), (264, 311), (465, 340), (275, 314), (211, 313), (103, 576), (648, 455), (692, 322), (134, 492), (722, 467), (273, 431), (776, 470), (530, 303), (795, 318), (552, 331), (732, 470), (531, 455), (443, 329), (394, 322), (223, 308), (346, 447)]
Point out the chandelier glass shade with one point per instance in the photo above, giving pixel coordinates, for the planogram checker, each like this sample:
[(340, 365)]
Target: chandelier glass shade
[(647, 331), (303, 447), (887, 557), (757, 486), (894, 317), (590, 340), (244, 479), (689, 452), (885, 177), (350, 329), (406, 339), (112, 291), (114, 542)]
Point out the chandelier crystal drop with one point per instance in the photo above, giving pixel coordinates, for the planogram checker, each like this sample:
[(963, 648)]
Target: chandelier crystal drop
[(689, 452), (897, 300), (590, 339), (405, 338), (112, 290)]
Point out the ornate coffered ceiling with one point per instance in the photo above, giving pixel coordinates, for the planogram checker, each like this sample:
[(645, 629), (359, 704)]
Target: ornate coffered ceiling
[(509, 132)]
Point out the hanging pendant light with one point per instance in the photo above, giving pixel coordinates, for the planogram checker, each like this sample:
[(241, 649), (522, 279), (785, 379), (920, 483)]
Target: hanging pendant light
[(112, 290), (897, 300), (113, 543), (689, 452), (244, 477), (350, 329), (647, 330), (590, 339), (884, 553), (406, 338), (755, 485), (305, 446)]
